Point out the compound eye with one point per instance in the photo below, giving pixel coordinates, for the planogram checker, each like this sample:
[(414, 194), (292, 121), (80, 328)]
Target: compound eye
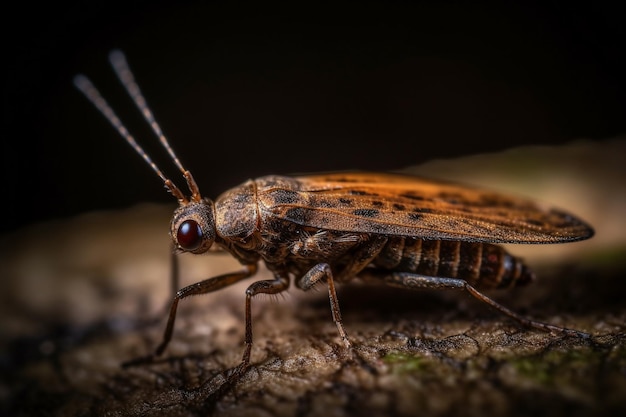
[(189, 235)]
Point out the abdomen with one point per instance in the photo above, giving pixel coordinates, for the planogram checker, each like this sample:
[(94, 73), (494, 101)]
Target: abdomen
[(482, 265)]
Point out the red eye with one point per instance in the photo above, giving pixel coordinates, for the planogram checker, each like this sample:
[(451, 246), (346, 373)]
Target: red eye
[(189, 235)]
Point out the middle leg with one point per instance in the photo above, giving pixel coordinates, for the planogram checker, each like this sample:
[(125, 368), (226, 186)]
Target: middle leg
[(322, 272), (277, 285), (360, 258)]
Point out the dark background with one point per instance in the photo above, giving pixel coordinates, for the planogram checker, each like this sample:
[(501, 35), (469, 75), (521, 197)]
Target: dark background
[(244, 89)]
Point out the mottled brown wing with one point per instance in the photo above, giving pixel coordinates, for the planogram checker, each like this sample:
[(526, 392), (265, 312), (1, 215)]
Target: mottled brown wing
[(404, 205)]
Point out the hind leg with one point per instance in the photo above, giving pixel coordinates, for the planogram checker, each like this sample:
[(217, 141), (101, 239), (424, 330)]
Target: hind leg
[(361, 257), (416, 281)]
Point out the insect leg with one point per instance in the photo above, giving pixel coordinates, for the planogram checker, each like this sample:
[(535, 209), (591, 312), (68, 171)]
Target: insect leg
[(202, 287), (415, 281), (279, 284), (362, 256), (315, 275), (174, 274), (523, 320)]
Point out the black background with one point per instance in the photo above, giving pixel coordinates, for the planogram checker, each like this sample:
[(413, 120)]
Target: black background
[(245, 89)]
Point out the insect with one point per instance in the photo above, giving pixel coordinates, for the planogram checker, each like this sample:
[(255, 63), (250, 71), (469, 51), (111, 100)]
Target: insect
[(401, 230)]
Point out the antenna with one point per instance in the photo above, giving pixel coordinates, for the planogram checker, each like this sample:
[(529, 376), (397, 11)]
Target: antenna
[(118, 61), (125, 75)]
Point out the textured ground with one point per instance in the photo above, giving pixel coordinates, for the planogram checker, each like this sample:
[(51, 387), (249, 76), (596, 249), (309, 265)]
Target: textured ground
[(78, 296)]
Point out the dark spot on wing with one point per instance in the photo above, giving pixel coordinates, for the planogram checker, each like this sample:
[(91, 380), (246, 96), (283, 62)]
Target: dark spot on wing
[(366, 212), (377, 203), (325, 203), (346, 201), (452, 198), (413, 196), (422, 210), (492, 200), (296, 214), (400, 207), (361, 192), (285, 196), (414, 217)]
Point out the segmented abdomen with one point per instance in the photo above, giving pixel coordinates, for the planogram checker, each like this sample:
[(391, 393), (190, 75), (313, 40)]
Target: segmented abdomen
[(482, 265)]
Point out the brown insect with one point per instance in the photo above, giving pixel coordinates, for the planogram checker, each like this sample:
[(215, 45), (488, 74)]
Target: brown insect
[(402, 230)]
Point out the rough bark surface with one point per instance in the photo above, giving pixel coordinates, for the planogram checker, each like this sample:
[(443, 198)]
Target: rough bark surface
[(82, 296)]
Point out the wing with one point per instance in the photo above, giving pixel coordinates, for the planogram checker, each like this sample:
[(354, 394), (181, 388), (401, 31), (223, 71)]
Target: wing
[(403, 205)]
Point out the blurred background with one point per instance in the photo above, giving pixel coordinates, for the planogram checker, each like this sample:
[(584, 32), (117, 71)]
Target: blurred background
[(245, 89)]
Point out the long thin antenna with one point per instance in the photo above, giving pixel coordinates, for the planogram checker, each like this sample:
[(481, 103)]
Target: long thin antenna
[(121, 68), (91, 92)]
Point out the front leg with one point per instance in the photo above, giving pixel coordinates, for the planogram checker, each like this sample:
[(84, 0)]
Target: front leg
[(202, 287)]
